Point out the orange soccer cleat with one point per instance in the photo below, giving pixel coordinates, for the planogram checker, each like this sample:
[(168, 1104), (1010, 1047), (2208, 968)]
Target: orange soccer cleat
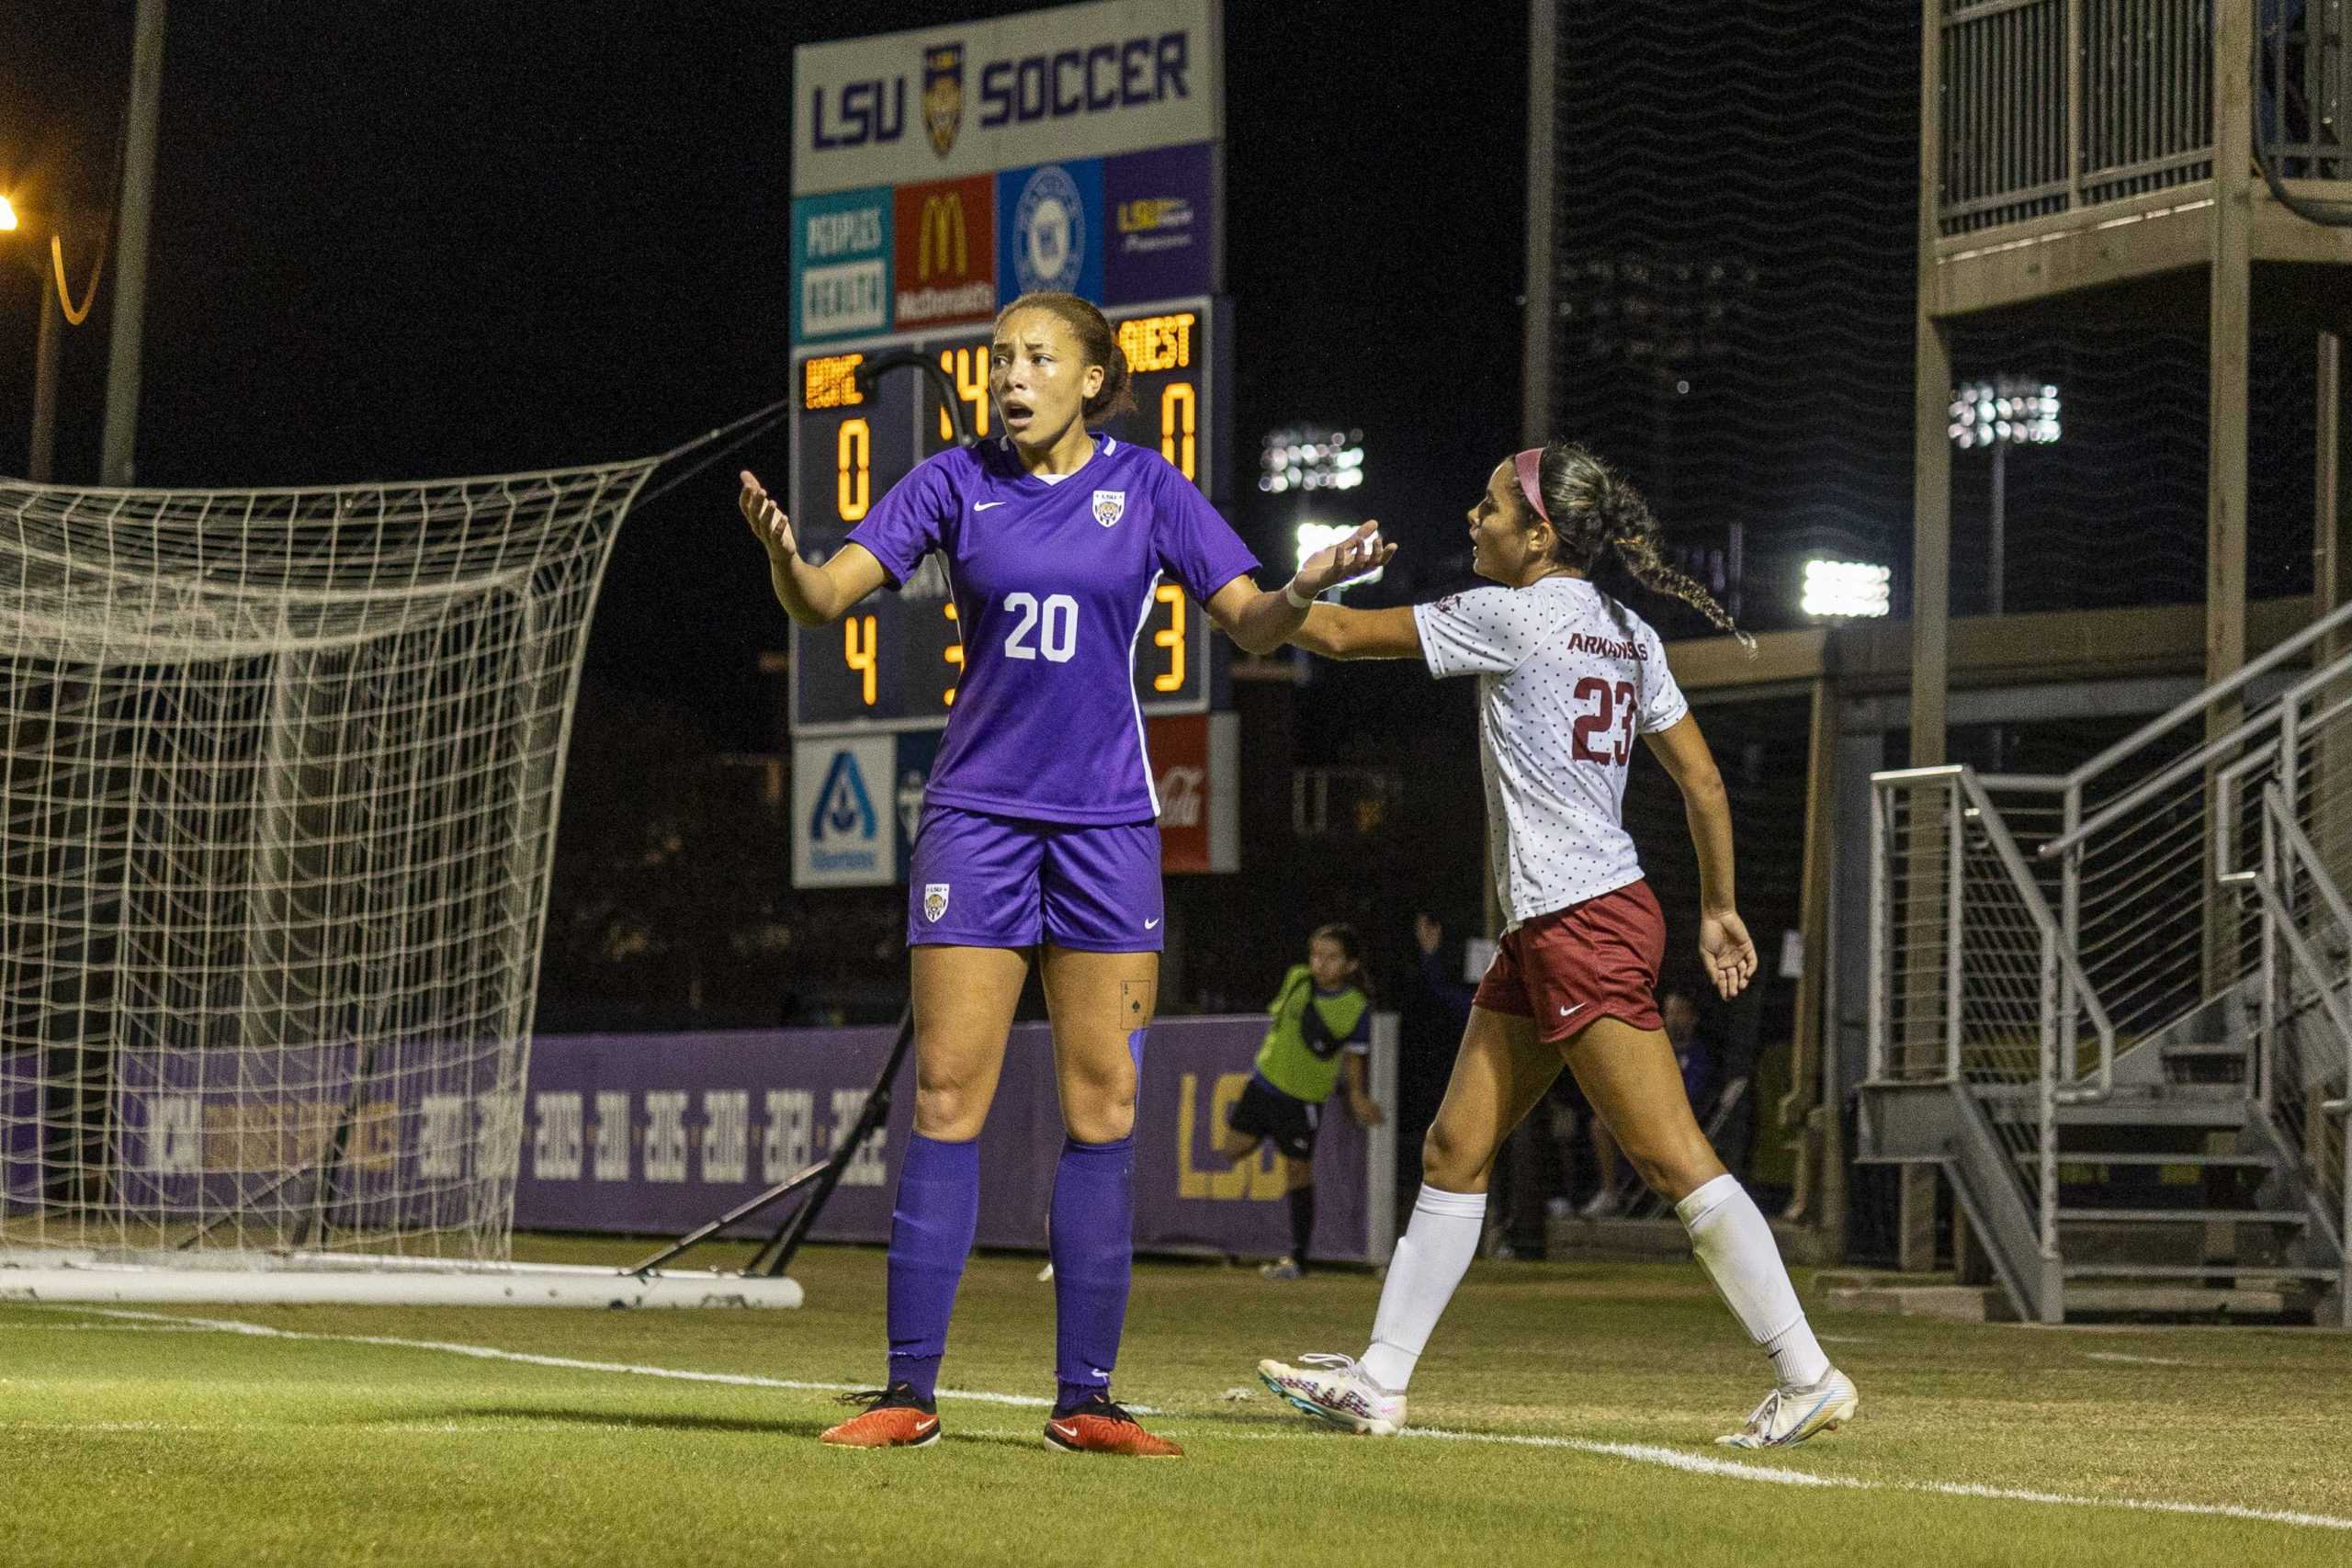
[(894, 1419), (1099, 1427)]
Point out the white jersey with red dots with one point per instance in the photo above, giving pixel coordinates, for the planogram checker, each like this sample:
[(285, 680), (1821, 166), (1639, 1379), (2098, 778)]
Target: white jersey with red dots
[(1567, 678)]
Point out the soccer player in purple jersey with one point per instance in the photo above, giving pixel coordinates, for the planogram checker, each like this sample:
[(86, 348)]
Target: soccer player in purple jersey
[(1038, 827)]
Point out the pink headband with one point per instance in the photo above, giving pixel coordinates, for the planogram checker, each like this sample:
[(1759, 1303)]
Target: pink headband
[(1529, 466)]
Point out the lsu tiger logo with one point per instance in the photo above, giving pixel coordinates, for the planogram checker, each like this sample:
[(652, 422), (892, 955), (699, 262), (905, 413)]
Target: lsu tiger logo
[(943, 95), (1109, 505)]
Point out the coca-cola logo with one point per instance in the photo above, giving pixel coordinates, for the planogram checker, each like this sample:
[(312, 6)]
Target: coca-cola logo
[(1180, 790)]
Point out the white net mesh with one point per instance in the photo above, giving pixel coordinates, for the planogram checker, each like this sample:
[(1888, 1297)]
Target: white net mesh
[(279, 772)]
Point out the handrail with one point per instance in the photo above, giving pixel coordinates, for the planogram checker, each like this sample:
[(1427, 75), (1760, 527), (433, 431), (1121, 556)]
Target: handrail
[(2191, 763), (2271, 52), (2298, 843), (2156, 783), (2023, 783), (2038, 910), (2330, 999), (2226, 784), (2245, 674)]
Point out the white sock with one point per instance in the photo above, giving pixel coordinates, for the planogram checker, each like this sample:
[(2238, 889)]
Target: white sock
[(1439, 1242), (1735, 1248)]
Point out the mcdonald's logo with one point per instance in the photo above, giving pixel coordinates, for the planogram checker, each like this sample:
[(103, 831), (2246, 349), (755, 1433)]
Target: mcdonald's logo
[(945, 233), (945, 246)]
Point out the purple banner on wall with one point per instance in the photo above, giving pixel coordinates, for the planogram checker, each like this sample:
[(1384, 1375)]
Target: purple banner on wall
[(652, 1134), (257, 1132)]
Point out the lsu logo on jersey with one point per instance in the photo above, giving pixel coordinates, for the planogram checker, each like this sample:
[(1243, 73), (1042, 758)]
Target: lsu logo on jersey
[(934, 901), (943, 95), (1109, 505)]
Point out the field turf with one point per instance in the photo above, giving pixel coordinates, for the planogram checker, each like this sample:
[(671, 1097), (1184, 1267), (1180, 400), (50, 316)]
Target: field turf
[(1563, 1417)]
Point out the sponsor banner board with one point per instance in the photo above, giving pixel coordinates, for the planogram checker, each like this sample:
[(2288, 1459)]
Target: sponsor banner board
[(841, 264), (1050, 223), (844, 812), (946, 252), (1070, 81), (1162, 241)]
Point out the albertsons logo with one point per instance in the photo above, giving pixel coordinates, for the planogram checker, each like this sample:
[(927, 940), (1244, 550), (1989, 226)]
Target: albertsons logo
[(843, 832)]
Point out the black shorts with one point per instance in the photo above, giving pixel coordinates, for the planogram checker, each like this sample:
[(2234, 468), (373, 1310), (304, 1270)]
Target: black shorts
[(1265, 1112)]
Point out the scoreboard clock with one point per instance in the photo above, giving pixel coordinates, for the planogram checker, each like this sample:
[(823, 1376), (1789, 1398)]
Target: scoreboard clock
[(893, 661)]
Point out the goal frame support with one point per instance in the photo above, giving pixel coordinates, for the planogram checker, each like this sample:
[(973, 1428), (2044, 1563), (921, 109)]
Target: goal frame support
[(775, 1253)]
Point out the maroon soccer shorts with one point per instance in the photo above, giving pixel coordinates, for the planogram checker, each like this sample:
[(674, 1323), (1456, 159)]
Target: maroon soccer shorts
[(1596, 959)]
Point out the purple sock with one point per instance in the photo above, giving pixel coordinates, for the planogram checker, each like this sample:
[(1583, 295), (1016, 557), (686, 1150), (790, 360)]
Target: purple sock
[(1092, 1241), (931, 1234)]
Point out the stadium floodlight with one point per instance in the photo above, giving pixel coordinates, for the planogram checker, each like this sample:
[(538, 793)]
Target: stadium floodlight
[(1313, 536), (2010, 411), (7, 214), (1845, 589), (1310, 457)]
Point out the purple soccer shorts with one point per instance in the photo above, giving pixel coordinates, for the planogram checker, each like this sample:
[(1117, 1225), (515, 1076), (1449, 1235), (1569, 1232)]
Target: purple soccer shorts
[(983, 880)]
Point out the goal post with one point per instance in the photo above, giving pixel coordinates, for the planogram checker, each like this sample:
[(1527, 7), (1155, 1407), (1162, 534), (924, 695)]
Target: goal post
[(280, 771)]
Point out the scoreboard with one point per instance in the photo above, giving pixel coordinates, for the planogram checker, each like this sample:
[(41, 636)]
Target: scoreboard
[(893, 661)]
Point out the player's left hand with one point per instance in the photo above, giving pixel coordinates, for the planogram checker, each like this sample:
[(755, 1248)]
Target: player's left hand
[(1343, 560), (1729, 955)]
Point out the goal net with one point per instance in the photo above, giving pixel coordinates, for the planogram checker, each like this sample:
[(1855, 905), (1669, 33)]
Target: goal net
[(279, 772)]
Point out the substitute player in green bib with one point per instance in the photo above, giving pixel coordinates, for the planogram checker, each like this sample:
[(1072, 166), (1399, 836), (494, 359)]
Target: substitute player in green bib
[(1320, 1030)]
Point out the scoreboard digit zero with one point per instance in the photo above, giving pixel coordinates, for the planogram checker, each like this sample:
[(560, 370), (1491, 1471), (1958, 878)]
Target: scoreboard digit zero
[(893, 661)]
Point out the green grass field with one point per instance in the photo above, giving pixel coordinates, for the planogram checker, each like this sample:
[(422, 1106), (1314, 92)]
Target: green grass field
[(1563, 1417)]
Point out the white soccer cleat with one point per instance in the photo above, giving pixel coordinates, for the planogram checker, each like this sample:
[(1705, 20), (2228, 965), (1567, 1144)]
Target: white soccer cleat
[(1789, 1415), (1335, 1389)]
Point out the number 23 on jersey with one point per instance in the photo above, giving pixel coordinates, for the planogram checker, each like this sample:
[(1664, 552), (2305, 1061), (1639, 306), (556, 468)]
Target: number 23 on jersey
[(1614, 708)]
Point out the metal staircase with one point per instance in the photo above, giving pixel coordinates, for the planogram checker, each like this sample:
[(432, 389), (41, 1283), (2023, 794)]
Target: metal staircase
[(2113, 1006)]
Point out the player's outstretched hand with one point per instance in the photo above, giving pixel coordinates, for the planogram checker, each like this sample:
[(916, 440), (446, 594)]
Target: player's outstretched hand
[(1343, 561), (1729, 956), (766, 518)]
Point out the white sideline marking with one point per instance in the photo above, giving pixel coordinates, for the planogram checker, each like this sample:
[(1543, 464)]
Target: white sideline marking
[(2136, 1361), (528, 1358), (1639, 1453), (1844, 1339)]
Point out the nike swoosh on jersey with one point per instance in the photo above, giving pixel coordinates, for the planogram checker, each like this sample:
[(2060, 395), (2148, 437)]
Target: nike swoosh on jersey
[(1149, 925), (984, 505), (1567, 1011)]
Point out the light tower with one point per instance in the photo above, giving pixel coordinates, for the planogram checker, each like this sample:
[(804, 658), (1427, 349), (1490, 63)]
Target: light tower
[(2006, 411)]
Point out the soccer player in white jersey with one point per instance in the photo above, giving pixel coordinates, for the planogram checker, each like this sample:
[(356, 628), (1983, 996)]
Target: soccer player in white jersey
[(1567, 677), (1038, 835)]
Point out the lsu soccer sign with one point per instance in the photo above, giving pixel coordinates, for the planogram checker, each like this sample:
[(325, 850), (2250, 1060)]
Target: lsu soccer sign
[(1027, 90)]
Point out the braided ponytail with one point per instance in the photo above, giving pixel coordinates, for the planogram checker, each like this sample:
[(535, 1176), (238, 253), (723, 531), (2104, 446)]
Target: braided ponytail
[(1594, 507)]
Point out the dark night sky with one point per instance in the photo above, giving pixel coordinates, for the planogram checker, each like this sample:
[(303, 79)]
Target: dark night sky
[(401, 241)]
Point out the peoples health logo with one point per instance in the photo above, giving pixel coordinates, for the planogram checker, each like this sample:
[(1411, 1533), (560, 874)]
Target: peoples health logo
[(1050, 232)]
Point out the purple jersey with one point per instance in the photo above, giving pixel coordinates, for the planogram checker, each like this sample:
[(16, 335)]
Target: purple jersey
[(1053, 584)]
